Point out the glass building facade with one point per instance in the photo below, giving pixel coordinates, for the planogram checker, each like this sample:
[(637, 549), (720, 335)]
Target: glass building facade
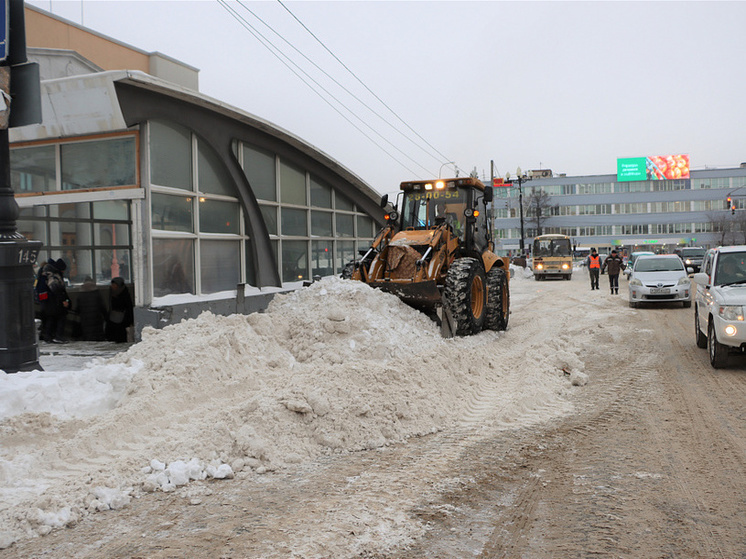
[(601, 211)]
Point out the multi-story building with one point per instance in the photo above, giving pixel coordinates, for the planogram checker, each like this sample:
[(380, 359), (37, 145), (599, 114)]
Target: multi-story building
[(602, 211)]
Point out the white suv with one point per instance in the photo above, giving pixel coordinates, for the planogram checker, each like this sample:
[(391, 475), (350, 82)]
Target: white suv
[(720, 303)]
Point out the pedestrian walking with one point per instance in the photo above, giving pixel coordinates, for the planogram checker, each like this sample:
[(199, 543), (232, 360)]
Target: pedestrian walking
[(593, 263), (614, 264)]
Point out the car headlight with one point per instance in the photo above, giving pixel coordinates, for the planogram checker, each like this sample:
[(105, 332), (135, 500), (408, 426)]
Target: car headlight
[(684, 281), (731, 312), (635, 281)]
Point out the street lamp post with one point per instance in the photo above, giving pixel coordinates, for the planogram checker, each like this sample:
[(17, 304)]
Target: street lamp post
[(444, 164), (521, 179)]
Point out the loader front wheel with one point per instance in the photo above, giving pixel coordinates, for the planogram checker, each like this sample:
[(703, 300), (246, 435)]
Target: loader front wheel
[(466, 295), (498, 300)]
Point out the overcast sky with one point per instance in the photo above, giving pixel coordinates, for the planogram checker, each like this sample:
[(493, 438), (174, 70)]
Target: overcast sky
[(568, 86)]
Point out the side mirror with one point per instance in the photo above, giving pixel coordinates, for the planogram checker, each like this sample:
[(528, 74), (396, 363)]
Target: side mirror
[(488, 194), (384, 200), (701, 278)]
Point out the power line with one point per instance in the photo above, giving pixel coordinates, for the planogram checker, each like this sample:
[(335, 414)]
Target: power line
[(279, 54), (441, 157)]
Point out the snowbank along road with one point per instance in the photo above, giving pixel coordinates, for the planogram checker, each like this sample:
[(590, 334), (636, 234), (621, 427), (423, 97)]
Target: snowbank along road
[(339, 424)]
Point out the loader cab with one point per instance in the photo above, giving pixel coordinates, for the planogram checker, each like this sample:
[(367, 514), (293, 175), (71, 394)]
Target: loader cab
[(428, 204)]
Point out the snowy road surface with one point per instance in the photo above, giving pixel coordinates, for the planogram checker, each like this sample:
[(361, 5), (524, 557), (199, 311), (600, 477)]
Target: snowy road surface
[(339, 424)]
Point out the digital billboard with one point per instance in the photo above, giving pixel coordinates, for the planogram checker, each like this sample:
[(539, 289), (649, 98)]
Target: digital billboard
[(653, 168)]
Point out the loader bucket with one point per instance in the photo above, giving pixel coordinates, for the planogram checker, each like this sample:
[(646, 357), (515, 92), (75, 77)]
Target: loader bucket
[(421, 295)]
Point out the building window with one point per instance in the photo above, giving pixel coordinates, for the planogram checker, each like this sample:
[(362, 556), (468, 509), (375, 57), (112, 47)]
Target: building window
[(260, 171), (220, 265), (292, 185), (172, 213), (94, 239), (98, 163), (170, 155), (173, 266), (294, 260), (203, 227), (33, 169)]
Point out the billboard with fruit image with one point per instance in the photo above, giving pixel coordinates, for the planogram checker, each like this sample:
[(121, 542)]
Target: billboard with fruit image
[(654, 167)]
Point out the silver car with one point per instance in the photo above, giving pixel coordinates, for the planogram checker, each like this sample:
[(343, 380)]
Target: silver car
[(659, 278)]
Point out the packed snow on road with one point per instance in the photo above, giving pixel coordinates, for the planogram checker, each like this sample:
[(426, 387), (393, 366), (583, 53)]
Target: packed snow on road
[(336, 367)]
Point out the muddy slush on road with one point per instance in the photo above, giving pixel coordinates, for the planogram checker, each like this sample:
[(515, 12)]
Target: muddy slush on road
[(643, 456)]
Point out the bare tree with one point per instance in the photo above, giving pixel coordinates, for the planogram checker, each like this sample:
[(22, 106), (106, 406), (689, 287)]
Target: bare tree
[(722, 225), (539, 208)]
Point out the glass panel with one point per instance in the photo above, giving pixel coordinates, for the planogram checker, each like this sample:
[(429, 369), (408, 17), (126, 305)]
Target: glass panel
[(212, 176), (294, 222), (111, 234), (173, 266), (322, 261), (72, 233), (112, 209), (113, 263), (172, 213), (321, 195), (259, 168), (79, 264), (269, 213), (345, 225), (321, 224), (33, 169), (365, 226), (98, 163), (33, 230), (345, 253), (342, 202), (217, 216), (33, 211), (170, 155), (294, 261), (292, 185), (219, 267), (70, 211)]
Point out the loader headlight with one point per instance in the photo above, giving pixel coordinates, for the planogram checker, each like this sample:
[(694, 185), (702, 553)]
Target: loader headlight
[(392, 216)]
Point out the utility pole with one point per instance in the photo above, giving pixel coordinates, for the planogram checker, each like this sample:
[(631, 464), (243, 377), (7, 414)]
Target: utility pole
[(20, 105)]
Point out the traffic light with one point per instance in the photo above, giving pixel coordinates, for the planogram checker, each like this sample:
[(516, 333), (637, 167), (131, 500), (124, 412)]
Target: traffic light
[(731, 205)]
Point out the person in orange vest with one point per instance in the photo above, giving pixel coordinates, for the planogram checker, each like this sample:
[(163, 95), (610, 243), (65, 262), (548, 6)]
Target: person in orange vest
[(593, 262)]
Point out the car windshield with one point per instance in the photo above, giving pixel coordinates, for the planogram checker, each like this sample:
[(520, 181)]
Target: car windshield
[(658, 265), (692, 252), (731, 269)]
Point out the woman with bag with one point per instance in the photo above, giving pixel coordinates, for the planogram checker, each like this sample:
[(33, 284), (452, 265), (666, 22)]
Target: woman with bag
[(121, 315)]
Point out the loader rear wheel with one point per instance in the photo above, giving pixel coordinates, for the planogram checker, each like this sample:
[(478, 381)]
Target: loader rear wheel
[(498, 300), (466, 295)]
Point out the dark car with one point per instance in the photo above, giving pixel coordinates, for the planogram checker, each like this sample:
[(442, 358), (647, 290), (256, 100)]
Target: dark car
[(691, 256)]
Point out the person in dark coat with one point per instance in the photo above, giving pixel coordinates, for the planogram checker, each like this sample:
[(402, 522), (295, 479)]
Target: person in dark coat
[(55, 303), (92, 311), (121, 313), (615, 264)]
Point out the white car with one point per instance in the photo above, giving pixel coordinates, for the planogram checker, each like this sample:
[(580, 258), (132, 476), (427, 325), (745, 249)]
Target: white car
[(720, 303), (659, 278)]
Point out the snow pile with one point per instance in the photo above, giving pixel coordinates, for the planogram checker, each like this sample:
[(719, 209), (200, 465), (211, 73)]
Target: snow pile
[(335, 367)]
